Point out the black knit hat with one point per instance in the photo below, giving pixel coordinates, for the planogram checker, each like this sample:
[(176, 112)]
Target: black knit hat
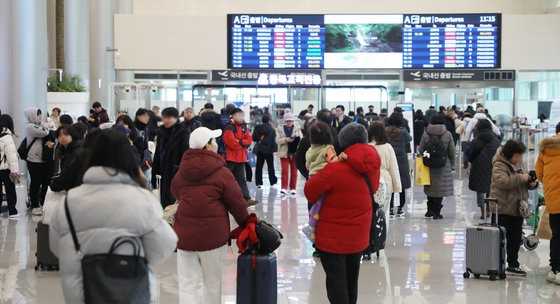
[(236, 110), (352, 134)]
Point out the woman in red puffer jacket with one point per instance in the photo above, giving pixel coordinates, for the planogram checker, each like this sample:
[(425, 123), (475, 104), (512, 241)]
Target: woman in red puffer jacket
[(206, 191), (342, 232)]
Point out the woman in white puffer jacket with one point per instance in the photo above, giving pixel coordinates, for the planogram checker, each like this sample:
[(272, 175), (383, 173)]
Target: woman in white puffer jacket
[(389, 165), (9, 166)]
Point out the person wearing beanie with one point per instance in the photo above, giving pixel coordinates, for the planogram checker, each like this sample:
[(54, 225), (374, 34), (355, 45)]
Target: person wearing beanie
[(288, 138), (343, 228), (462, 132), (264, 137), (400, 140), (340, 120), (172, 142), (237, 139), (207, 192)]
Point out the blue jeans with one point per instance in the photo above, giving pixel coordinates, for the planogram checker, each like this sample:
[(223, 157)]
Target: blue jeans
[(464, 146)]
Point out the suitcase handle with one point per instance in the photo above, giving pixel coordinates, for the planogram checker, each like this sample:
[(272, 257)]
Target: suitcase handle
[(487, 202)]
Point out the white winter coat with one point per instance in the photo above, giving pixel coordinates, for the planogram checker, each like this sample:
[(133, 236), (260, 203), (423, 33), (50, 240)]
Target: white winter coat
[(389, 170), (472, 125), (8, 152), (104, 207)]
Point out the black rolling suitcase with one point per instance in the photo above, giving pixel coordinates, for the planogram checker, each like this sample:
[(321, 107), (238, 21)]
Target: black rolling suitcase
[(46, 260), (256, 279)]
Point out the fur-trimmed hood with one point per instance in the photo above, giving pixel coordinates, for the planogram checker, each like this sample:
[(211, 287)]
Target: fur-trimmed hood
[(208, 111), (549, 142)]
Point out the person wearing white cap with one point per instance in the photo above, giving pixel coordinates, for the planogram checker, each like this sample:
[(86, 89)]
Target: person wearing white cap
[(207, 191)]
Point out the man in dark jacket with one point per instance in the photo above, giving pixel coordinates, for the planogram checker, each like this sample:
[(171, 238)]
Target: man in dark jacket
[(210, 119), (372, 116), (190, 122), (265, 138), (153, 122), (325, 116), (172, 142), (309, 110), (237, 139), (340, 120), (94, 113), (141, 121), (360, 117)]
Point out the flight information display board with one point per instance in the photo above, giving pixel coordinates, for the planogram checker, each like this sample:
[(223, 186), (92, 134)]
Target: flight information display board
[(276, 41), (380, 41), (451, 41)]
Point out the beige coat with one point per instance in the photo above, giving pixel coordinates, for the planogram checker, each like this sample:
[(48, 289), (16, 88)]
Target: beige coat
[(281, 139), (508, 185)]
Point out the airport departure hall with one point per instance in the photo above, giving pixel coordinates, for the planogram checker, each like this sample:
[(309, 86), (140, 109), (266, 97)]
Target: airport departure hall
[(265, 152)]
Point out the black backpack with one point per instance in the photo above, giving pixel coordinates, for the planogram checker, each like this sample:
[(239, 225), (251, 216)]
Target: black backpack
[(23, 149), (434, 153)]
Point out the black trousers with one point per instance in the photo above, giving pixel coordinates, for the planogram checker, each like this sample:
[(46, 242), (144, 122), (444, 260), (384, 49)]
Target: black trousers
[(166, 198), (402, 198), (238, 170), (11, 196), (343, 271), (269, 158), (40, 179), (435, 204), (513, 225), (555, 242)]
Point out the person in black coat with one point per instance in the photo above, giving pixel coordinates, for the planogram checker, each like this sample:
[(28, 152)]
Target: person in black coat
[(153, 123), (340, 120), (400, 141), (480, 153), (210, 119), (190, 121), (264, 137), (360, 118), (419, 128), (72, 159), (325, 116), (172, 143)]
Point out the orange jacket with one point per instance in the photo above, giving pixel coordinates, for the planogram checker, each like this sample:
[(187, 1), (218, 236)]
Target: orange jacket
[(548, 172)]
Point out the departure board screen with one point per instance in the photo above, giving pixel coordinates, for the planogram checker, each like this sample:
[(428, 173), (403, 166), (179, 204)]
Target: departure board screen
[(373, 41), (277, 41), (451, 41)]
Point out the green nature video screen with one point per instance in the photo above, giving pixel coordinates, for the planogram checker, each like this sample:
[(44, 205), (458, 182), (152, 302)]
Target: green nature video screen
[(363, 38)]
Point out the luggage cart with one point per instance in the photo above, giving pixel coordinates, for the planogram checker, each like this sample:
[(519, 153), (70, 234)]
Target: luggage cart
[(531, 242)]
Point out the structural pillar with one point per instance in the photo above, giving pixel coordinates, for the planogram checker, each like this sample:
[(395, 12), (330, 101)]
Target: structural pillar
[(124, 7), (76, 39), (23, 59), (102, 69)]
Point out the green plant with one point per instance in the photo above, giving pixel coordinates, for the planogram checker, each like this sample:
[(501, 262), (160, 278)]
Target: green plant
[(69, 83)]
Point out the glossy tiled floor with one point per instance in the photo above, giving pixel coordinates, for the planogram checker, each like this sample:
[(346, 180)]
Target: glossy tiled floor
[(424, 260)]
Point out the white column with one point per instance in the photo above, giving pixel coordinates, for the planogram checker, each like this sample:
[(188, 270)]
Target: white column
[(23, 58), (125, 7), (102, 71), (76, 39)]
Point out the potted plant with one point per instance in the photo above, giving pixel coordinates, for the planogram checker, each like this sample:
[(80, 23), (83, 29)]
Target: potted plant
[(69, 95)]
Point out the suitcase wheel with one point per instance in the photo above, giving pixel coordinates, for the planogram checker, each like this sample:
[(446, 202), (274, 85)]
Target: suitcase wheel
[(503, 276), (41, 267), (466, 275), (530, 242)]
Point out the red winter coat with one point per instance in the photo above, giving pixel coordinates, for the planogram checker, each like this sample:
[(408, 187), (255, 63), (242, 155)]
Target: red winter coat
[(206, 191), (236, 144), (345, 217)]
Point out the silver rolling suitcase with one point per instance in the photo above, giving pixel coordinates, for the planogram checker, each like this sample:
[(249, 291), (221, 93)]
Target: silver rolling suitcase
[(486, 249)]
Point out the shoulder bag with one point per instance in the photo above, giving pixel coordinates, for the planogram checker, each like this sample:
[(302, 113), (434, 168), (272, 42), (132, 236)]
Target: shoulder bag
[(111, 277)]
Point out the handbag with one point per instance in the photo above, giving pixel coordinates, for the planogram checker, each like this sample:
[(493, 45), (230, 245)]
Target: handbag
[(525, 209), (422, 173), (378, 229), (110, 277), (269, 237), (169, 213), (544, 232), (52, 200), (381, 193)]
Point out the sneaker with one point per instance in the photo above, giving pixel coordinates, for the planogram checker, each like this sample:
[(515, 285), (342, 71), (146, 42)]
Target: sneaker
[(391, 213), (482, 217), (438, 217), (259, 187), (293, 193), (429, 214), (316, 254), (37, 211), (274, 186), (283, 192), (400, 211), (366, 256), (14, 215), (553, 277), (252, 202), (515, 271)]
